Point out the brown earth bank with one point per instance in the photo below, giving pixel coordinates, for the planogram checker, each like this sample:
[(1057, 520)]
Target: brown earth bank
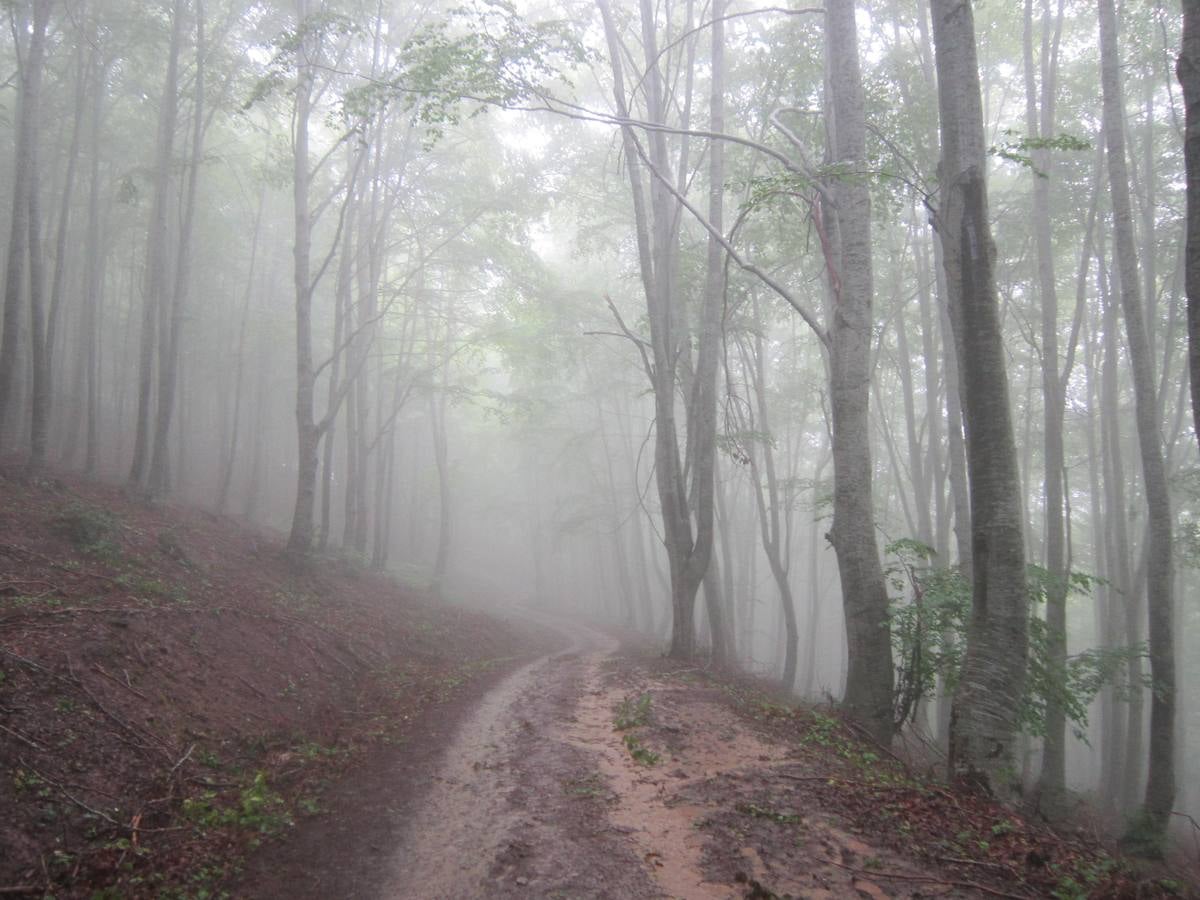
[(173, 692), (184, 715)]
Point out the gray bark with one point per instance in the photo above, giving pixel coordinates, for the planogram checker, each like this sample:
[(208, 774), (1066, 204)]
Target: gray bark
[(983, 722), (1160, 785), (869, 675), (24, 186), (155, 302)]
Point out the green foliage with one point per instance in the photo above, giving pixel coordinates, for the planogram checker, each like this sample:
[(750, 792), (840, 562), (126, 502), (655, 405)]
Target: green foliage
[(485, 53), (929, 626), (89, 529), (259, 808), (1017, 148), (927, 629), (632, 712), (1083, 881), (640, 753), (591, 785)]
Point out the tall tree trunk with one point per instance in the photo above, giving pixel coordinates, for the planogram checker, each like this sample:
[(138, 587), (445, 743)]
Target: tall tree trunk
[(869, 674), (1147, 834), (24, 187), (983, 723), (437, 415), (307, 436), (702, 414), (1117, 528), (1188, 69), (230, 458), (769, 505), (657, 232), (94, 270), (155, 302), (40, 399), (41, 410), (1052, 779), (171, 317)]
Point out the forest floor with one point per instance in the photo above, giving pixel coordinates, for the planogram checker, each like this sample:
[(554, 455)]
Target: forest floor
[(184, 715)]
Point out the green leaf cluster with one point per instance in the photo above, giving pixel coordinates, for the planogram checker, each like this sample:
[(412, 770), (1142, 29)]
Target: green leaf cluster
[(929, 625)]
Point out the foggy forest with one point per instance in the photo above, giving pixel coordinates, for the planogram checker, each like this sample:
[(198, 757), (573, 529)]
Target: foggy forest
[(844, 347)]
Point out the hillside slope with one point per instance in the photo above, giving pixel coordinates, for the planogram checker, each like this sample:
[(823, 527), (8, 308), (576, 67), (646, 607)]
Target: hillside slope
[(172, 691)]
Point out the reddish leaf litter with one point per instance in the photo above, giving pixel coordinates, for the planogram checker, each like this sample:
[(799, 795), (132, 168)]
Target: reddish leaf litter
[(173, 692)]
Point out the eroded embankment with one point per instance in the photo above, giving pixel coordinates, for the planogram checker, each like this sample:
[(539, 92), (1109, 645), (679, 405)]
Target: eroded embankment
[(172, 691)]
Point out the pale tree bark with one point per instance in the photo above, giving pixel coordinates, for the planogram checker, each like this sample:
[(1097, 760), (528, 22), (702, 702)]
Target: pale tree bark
[(1039, 123), (94, 270), (309, 429), (702, 412), (39, 407), (239, 377), (44, 398), (171, 316), (24, 188), (341, 304), (983, 724), (441, 453), (864, 595), (155, 301), (956, 467), (307, 436), (657, 233), (756, 421), (1188, 69), (1123, 625), (1148, 831)]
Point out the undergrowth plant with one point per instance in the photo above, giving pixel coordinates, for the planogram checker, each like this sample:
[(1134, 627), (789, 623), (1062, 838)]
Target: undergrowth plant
[(929, 625)]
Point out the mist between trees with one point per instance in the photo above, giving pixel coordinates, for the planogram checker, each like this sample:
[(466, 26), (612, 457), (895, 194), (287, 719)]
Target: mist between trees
[(845, 344)]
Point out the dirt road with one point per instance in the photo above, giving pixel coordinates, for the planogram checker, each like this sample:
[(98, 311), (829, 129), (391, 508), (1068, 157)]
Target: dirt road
[(593, 773), (538, 794)]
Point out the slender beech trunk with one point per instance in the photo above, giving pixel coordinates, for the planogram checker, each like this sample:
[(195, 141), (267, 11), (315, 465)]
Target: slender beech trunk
[(44, 399), (1117, 528), (437, 415), (155, 301), (1188, 69), (307, 435), (702, 412), (983, 724), (40, 399), (171, 316), (869, 674), (1040, 124), (769, 504), (657, 233), (230, 457), (94, 269), (24, 187), (1147, 833)]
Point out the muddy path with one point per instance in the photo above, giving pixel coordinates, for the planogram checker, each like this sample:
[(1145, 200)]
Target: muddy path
[(531, 790), (543, 795)]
